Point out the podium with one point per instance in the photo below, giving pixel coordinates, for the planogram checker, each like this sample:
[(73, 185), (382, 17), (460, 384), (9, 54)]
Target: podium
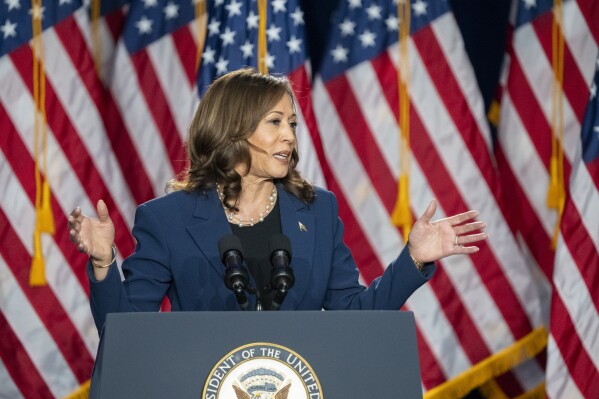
[(318, 354)]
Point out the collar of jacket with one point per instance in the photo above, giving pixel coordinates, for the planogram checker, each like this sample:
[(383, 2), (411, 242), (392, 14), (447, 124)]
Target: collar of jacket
[(209, 224)]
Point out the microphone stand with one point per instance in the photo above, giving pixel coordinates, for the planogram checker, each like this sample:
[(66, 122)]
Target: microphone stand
[(282, 277), (236, 279)]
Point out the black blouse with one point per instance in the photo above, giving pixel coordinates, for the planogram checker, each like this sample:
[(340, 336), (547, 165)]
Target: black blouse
[(254, 240)]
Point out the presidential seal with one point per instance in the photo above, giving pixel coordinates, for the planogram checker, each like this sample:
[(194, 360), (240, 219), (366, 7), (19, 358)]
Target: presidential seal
[(262, 371)]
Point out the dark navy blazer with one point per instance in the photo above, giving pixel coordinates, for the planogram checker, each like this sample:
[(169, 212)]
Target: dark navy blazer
[(177, 255)]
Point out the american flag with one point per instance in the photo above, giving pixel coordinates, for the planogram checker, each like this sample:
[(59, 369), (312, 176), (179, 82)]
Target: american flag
[(573, 349), (48, 343), (116, 129), (119, 97), (475, 306), (524, 154)]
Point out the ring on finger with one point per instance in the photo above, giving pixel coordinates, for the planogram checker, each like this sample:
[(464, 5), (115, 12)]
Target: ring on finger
[(455, 241)]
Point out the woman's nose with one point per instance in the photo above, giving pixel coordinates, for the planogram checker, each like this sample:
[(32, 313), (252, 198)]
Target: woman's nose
[(288, 134)]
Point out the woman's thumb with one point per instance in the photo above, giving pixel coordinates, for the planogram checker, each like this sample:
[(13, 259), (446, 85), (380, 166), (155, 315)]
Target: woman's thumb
[(102, 210), (429, 212)]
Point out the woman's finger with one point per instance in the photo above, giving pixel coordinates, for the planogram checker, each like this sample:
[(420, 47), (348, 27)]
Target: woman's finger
[(460, 218), (102, 210), (82, 248), (429, 211), (470, 238), (73, 236), (465, 250), (467, 228)]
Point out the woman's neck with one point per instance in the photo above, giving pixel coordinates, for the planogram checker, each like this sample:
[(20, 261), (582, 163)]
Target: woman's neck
[(254, 194), (254, 203)]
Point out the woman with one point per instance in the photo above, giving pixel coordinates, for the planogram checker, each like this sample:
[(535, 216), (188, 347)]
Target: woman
[(242, 180)]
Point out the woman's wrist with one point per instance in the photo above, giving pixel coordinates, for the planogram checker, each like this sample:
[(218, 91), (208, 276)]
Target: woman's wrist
[(419, 264), (104, 263)]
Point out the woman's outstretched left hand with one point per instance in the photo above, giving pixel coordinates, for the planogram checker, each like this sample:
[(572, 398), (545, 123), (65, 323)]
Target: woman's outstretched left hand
[(429, 241)]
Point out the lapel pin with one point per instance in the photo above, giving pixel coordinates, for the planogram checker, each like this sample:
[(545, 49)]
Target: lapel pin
[(302, 227)]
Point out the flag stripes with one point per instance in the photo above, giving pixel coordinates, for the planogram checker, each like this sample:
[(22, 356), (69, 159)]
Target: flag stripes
[(51, 340), (16, 359), (64, 142), (524, 153), (118, 133), (453, 150)]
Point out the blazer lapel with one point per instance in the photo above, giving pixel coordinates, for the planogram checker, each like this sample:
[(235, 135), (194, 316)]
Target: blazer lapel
[(208, 227), (298, 223)]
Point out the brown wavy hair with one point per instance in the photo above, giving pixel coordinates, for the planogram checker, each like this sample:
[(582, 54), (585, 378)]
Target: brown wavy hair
[(228, 114)]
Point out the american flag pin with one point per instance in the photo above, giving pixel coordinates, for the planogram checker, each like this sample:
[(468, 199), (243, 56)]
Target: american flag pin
[(302, 227)]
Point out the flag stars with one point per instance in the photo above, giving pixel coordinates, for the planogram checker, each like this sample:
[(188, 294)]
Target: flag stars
[(9, 29), (354, 4), (221, 66), (208, 55), (367, 38), (63, 2), (171, 10), (273, 33), (279, 6), (234, 8), (150, 3), (294, 44), (374, 12), (392, 23), (247, 49), (270, 61), (419, 8), (347, 27), (228, 37), (339, 54), (144, 25), (593, 91), (252, 20), (528, 4), (213, 27), (13, 4), (297, 16)]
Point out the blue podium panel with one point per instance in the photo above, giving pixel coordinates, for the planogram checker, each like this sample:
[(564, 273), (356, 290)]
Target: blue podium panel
[(278, 355)]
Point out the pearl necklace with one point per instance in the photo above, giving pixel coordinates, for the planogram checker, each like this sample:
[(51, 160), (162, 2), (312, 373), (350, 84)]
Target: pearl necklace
[(238, 220)]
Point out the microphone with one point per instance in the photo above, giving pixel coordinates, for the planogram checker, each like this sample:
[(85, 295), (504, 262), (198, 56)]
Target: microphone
[(236, 275), (281, 276)]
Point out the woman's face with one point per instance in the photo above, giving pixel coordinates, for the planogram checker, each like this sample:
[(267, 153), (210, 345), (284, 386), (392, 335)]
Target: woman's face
[(272, 142)]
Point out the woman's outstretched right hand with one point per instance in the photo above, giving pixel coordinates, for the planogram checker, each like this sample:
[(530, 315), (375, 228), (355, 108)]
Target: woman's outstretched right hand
[(93, 237)]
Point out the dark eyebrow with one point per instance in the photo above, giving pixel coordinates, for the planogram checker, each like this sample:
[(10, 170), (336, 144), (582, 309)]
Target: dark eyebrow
[(281, 113)]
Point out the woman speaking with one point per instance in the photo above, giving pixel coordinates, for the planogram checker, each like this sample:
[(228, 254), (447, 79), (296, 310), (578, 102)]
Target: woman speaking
[(242, 181)]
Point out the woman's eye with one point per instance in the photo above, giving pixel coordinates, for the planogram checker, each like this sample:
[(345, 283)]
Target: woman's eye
[(293, 125), (275, 122)]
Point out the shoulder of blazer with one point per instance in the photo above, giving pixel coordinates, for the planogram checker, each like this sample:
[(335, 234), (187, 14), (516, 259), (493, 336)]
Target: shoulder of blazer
[(181, 202), (322, 197), (324, 201)]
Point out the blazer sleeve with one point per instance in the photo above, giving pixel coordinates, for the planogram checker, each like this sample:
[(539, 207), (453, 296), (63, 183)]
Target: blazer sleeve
[(387, 292), (146, 272)]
